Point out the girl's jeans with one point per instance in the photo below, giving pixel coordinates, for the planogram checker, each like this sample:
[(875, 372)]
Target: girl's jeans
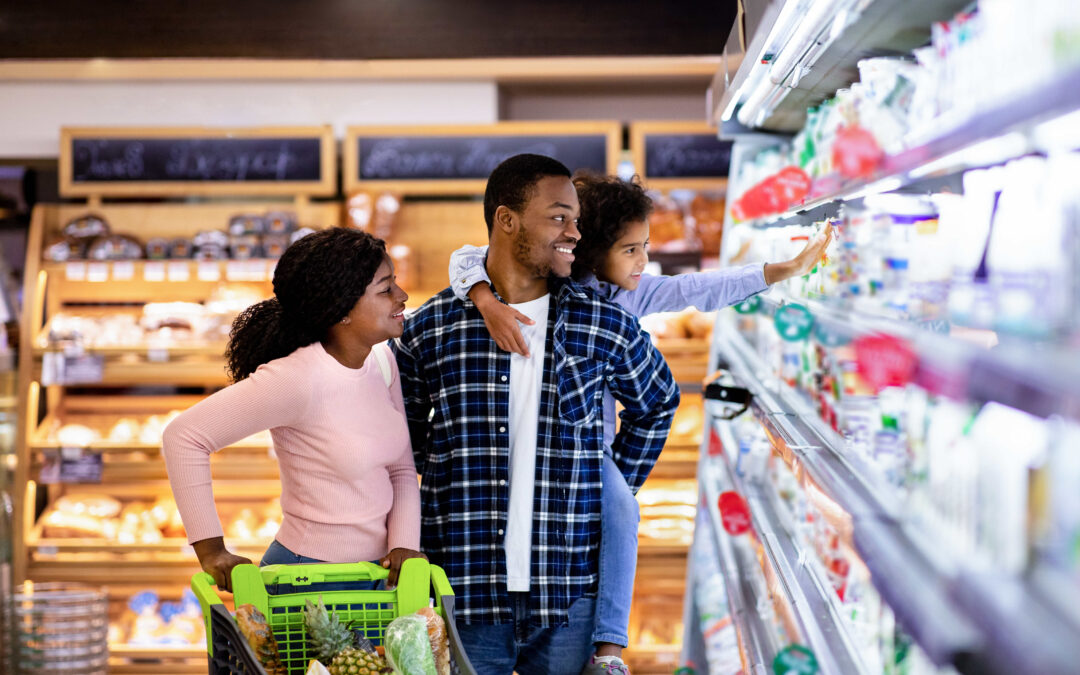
[(619, 519)]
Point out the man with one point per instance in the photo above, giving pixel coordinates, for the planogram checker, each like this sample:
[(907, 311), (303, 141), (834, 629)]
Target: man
[(510, 448)]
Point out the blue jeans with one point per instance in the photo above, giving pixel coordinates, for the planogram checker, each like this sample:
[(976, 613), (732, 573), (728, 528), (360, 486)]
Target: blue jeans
[(277, 554), (619, 517), (502, 649)]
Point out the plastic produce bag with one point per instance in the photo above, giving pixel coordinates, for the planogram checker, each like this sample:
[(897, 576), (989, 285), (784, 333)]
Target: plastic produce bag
[(408, 647), (440, 642)]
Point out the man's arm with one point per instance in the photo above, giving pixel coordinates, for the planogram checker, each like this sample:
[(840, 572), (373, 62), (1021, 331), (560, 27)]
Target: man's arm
[(642, 382), (414, 392)]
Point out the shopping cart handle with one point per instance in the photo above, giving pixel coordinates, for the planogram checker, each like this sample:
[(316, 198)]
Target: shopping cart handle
[(203, 586)]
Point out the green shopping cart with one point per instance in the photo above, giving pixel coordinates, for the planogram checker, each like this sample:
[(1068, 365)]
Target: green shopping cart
[(367, 610)]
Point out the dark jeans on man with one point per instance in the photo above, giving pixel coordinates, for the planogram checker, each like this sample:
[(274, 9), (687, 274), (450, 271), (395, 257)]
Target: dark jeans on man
[(504, 648)]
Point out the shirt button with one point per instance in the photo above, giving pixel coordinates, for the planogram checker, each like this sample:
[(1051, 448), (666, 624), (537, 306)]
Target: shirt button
[(502, 482), (500, 531), (502, 430), (504, 378)]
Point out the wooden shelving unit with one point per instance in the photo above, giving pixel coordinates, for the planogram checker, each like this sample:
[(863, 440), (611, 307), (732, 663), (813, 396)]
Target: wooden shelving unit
[(141, 379)]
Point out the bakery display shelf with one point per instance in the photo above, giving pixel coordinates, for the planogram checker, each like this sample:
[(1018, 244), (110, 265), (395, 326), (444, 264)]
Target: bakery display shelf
[(49, 546), (950, 149), (187, 371), (150, 351), (90, 568), (758, 643), (178, 271), (963, 362), (158, 664)]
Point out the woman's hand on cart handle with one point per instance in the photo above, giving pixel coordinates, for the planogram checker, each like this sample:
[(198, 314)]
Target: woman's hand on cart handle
[(217, 561), (392, 561)]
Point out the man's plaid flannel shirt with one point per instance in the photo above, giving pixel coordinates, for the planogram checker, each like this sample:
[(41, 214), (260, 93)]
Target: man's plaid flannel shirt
[(456, 387)]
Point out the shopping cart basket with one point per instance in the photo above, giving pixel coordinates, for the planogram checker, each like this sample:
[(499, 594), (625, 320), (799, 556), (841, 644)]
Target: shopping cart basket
[(369, 611)]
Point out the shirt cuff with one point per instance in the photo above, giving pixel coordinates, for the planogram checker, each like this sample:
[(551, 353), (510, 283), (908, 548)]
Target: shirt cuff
[(464, 283)]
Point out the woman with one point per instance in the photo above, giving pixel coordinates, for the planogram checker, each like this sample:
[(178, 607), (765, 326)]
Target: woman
[(309, 365)]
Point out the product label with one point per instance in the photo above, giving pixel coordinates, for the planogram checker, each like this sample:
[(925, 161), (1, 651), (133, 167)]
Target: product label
[(749, 306), (793, 322), (734, 512), (716, 446), (884, 361), (796, 660)]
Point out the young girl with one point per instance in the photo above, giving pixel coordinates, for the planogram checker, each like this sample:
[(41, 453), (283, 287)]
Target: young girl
[(610, 259), (309, 365)]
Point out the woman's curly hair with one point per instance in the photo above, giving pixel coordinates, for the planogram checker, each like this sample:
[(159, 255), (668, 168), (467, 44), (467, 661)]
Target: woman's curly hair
[(317, 282), (608, 204)]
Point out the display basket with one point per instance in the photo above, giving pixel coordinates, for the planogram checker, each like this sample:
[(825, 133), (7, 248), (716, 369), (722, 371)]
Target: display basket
[(281, 591)]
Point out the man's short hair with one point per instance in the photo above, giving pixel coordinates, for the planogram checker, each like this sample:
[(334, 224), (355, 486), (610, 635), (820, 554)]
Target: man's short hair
[(511, 183)]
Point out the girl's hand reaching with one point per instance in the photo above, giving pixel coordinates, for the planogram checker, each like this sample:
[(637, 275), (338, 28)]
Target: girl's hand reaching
[(803, 262), (501, 320)]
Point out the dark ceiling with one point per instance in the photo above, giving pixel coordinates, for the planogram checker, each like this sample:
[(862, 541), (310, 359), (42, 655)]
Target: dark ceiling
[(355, 29)]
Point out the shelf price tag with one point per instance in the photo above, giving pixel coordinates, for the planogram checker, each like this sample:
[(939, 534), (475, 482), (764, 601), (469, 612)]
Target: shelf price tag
[(796, 660), (154, 271), (734, 512), (749, 306), (59, 368), (234, 270), (75, 271), (157, 354), (179, 270), (123, 270), (80, 465), (793, 322), (97, 271), (209, 270)]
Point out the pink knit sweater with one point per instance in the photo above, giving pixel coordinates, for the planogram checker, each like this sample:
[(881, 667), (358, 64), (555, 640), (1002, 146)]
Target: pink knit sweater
[(348, 482)]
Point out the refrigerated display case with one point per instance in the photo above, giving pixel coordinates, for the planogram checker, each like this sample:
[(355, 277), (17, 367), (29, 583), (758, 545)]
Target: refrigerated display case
[(908, 460)]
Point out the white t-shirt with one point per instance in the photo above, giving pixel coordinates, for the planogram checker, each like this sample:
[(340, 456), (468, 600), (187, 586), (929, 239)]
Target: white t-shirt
[(526, 378)]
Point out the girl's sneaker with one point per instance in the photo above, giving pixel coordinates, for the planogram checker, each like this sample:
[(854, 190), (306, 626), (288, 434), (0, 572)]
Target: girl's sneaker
[(605, 665)]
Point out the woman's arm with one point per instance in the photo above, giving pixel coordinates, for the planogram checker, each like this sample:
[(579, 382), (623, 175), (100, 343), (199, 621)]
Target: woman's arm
[(403, 521), (270, 397)]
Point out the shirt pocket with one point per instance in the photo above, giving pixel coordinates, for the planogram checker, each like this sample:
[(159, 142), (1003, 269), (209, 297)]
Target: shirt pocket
[(580, 379)]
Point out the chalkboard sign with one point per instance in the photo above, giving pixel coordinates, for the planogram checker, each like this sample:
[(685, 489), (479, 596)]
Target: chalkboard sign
[(686, 156), (203, 161), (441, 160), (430, 158), (193, 159)]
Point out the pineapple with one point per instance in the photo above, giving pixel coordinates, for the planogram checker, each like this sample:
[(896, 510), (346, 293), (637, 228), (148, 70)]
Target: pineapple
[(335, 644)]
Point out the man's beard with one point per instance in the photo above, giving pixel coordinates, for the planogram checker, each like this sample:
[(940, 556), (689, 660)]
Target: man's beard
[(524, 254)]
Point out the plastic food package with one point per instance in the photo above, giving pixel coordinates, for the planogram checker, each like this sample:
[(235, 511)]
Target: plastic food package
[(253, 626), (440, 642), (115, 247), (86, 227), (408, 646)]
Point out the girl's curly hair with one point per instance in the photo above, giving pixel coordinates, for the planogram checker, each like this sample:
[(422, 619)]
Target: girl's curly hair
[(317, 282), (608, 204)]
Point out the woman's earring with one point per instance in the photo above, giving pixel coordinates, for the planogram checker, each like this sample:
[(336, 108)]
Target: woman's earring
[(346, 321)]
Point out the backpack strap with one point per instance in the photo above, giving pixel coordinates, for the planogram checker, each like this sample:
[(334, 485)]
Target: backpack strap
[(384, 365)]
